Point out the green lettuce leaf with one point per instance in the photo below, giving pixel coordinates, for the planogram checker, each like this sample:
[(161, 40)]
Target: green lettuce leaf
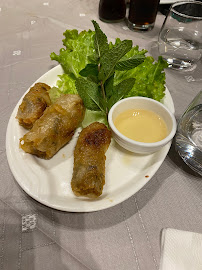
[(79, 46), (94, 116), (65, 85), (54, 94)]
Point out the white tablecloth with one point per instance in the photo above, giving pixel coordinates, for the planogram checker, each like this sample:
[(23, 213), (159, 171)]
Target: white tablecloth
[(126, 236)]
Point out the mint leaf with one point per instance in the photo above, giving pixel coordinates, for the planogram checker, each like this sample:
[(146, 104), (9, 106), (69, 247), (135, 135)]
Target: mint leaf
[(121, 90), (100, 42), (103, 104), (130, 63), (134, 51), (88, 91), (109, 86), (109, 60), (90, 69)]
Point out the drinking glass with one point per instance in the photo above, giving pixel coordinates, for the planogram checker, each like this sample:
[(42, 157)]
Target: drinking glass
[(180, 38), (142, 14), (188, 140)]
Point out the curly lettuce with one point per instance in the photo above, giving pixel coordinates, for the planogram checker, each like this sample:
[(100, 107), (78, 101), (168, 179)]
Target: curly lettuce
[(78, 47)]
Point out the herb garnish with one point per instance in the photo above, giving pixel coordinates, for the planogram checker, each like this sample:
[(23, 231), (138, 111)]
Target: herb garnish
[(96, 84), (103, 73)]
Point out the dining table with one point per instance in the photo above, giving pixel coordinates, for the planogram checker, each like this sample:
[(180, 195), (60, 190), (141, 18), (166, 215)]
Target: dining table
[(127, 234)]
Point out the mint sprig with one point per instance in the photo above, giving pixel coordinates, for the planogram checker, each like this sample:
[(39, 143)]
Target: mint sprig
[(96, 84), (109, 60)]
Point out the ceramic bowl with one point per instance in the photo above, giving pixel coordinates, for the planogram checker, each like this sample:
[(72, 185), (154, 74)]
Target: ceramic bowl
[(145, 104)]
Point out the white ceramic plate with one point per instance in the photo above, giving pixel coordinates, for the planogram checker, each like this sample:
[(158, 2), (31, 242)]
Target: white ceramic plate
[(48, 181)]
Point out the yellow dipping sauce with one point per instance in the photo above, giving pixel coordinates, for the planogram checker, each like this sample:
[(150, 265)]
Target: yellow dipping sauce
[(141, 125)]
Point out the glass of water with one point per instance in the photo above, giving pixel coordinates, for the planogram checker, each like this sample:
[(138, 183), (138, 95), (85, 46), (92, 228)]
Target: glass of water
[(180, 38), (188, 140)]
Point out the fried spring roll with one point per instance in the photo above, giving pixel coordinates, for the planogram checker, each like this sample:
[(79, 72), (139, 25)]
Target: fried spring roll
[(55, 127), (33, 105), (89, 160)]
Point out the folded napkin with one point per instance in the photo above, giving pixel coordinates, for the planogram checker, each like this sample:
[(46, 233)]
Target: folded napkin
[(180, 250)]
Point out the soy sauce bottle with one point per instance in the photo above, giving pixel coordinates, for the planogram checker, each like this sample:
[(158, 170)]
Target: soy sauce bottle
[(112, 10)]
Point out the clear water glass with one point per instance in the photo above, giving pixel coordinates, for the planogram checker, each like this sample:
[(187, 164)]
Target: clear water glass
[(188, 140), (180, 38)]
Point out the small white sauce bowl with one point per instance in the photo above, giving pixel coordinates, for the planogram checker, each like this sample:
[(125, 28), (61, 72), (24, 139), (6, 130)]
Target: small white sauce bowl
[(145, 104)]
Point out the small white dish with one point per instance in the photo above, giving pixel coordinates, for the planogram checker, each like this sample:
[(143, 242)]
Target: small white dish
[(145, 104)]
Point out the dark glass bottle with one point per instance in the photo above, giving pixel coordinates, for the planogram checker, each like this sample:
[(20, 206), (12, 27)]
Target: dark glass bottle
[(143, 11), (112, 10)]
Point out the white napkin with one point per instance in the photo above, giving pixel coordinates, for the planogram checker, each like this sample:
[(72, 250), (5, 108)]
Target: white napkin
[(180, 250)]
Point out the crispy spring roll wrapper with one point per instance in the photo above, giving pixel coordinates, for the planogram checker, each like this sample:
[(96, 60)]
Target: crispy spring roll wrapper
[(55, 127), (33, 105), (89, 160)]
